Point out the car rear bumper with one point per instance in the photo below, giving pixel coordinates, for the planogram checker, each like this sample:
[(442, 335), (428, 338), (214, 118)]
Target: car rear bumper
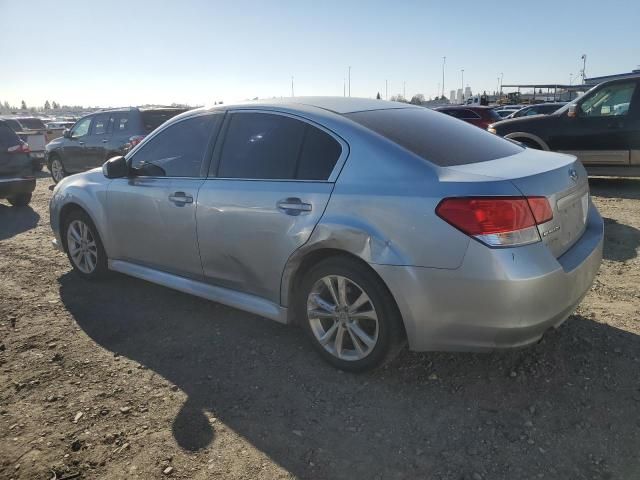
[(498, 298), (15, 186)]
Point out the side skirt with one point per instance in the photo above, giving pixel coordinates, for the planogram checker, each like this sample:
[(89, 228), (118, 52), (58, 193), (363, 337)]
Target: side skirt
[(232, 298)]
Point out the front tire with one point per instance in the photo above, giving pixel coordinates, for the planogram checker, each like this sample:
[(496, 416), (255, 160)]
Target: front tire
[(84, 246), (349, 315), (57, 169), (20, 200)]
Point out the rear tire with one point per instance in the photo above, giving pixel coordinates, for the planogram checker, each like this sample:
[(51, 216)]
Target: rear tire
[(349, 315), (83, 246), (20, 200), (529, 143), (56, 168)]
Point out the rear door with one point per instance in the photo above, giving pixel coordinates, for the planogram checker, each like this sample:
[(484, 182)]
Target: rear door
[(121, 130), (605, 127), (269, 183), (152, 214)]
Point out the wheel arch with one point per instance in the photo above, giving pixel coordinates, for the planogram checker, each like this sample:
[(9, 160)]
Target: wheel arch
[(528, 136), (75, 205), (308, 260)]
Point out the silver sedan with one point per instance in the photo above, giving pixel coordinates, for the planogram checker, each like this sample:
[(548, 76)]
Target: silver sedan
[(367, 223)]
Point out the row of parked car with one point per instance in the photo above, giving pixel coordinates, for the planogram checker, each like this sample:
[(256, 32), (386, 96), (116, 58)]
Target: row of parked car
[(601, 128)]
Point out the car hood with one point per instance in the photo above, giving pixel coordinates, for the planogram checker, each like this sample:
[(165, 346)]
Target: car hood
[(516, 123)]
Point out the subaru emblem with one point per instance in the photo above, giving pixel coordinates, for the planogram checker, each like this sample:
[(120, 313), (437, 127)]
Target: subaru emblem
[(573, 174)]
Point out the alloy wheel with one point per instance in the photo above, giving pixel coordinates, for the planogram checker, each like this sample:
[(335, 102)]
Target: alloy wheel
[(82, 246), (57, 170), (342, 317)]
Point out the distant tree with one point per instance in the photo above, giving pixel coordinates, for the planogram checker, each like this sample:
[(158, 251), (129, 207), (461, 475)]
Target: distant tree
[(23, 105), (55, 105), (417, 99), (378, 96), (47, 105)]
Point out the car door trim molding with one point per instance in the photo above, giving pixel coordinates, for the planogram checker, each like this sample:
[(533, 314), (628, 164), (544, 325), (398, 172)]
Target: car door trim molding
[(600, 157), (232, 298)]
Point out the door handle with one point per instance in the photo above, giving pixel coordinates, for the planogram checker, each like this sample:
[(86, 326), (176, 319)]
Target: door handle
[(80, 143), (293, 206), (105, 140), (180, 198)]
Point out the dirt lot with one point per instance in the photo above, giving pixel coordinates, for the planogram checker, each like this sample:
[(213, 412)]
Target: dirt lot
[(124, 379)]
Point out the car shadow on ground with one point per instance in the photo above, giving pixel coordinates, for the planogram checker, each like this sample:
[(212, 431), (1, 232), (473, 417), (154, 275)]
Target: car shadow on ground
[(621, 242), (564, 408), (16, 220), (628, 188)]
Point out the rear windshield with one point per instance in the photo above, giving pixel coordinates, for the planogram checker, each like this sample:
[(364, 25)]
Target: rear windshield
[(152, 119), (8, 137), (493, 115), (32, 124), (438, 138)]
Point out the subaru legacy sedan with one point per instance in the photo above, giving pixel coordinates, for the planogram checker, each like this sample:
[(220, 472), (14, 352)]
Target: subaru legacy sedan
[(367, 223)]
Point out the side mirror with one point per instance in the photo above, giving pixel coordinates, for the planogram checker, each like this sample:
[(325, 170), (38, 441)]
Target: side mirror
[(573, 111), (66, 133), (115, 167)]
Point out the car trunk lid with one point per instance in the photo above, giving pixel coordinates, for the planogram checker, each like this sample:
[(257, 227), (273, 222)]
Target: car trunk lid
[(560, 178)]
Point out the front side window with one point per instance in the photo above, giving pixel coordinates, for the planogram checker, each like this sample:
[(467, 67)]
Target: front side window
[(613, 100), (81, 128), (265, 146), (177, 151)]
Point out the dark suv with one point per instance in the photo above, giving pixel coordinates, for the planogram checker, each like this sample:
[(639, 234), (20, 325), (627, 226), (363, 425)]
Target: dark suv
[(16, 168), (602, 128), (102, 135)]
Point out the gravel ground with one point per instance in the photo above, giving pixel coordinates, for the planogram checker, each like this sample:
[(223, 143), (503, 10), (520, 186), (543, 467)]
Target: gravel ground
[(124, 379)]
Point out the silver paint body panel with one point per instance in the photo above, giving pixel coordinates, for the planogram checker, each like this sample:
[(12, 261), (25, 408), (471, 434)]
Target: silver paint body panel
[(235, 246)]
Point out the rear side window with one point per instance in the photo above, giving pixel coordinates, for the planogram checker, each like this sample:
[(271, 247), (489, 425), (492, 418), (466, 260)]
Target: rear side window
[(178, 150), (15, 126), (152, 119), (119, 122), (8, 137), (266, 146), (436, 138)]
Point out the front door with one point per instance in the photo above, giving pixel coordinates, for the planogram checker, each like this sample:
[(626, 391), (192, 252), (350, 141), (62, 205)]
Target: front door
[(602, 130), (270, 181), (96, 142), (75, 146), (152, 214)]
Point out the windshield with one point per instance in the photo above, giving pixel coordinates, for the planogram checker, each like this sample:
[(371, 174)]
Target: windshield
[(438, 138)]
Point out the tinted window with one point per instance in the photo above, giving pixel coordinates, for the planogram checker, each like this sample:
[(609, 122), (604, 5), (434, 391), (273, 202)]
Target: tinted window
[(320, 152), (178, 150), (436, 138), (261, 146), (81, 128), (8, 137), (493, 115), (100, 124), (119, 122), (14, 125), (468, 115), (152, 119), (32, 123)]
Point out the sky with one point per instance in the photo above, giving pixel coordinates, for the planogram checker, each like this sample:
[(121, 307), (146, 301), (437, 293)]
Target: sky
[(119, 53)]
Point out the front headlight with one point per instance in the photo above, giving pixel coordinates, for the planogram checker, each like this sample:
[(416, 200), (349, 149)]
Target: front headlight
[(490, 129)]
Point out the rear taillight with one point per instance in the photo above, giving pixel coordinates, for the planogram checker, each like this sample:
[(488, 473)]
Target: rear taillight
[(22, 147), (133, 141), (497, 221)]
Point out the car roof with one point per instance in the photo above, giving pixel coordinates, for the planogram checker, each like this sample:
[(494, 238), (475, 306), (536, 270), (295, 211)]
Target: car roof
[(338, 105), (466, 107)]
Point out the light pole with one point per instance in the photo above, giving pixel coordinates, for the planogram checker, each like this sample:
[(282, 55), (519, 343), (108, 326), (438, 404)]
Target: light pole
[(349, 80), (404, 90), (444, 61), (501, 77), (462, 72), (584, 66), (386, 89), (292, 86), (570, 79)]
